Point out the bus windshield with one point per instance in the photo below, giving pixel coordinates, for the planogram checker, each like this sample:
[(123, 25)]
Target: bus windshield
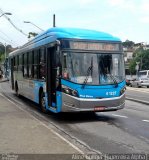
[(93, 68)]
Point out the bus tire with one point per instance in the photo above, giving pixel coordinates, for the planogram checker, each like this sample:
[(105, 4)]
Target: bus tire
[(16, 89), (42, 102)]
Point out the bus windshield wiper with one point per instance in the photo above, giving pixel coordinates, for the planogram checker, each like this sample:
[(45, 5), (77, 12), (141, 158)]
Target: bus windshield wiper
[(90, 69), (114, 80)]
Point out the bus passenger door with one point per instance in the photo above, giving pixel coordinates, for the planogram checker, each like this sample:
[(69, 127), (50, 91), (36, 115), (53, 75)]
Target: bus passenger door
[(51, 76)]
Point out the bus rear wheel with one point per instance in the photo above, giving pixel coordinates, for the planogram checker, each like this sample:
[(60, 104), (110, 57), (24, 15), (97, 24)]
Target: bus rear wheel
[(42, 102)]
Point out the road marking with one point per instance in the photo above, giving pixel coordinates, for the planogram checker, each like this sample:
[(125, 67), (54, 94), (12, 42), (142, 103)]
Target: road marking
[(145, 120), (116, 115), (72, 145)]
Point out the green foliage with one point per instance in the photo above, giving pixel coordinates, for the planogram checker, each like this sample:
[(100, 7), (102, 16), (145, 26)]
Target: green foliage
[(2, 48), (144, 60), (2, 57), (142, 56), (132, 66), (33, 34), (2, 51), (128, 44), (138, 51)]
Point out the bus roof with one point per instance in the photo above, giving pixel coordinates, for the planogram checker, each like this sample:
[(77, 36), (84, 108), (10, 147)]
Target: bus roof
[(69, 33), (78, 33)]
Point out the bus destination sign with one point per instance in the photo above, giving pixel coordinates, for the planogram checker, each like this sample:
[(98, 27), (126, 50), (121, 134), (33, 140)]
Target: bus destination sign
[(95, 46)]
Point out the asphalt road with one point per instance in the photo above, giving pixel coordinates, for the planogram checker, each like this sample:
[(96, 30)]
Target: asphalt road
[(124, 131), (139, 94)]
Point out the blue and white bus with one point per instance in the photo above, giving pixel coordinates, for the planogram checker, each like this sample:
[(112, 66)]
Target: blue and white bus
[(69, 69)]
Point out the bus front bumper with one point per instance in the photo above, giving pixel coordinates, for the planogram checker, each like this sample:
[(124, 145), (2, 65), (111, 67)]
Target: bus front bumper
[(70, 103)]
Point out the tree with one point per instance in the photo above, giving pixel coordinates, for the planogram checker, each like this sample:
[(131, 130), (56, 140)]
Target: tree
[(2, 51), (142, 56), (132, 66), (144, 60), (128, 44), (2, 48), (33, 34)]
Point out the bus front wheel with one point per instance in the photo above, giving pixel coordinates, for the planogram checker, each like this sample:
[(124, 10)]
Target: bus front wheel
[(42, 102)]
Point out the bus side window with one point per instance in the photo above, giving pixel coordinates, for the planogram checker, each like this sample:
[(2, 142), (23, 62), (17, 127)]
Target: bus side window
[(14, 63), (35, 64), (30, 56), (26, 65), (20, 63), (32, 66), (42, 64)]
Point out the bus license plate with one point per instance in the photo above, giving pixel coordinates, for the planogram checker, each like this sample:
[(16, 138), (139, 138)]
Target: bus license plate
[(99, 108)]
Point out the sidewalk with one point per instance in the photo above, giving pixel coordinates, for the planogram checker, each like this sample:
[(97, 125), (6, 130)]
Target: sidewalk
[(21, 133)]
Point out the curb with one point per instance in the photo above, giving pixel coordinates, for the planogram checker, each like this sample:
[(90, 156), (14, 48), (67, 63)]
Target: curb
[(136, 100)]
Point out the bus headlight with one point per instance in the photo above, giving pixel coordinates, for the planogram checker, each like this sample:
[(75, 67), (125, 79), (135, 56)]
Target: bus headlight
[(69, 91), (122, 91)]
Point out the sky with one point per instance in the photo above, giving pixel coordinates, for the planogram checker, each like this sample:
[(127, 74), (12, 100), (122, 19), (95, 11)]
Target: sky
[(126, 19)]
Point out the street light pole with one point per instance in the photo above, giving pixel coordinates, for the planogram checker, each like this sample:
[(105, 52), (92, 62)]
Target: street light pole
[(137, 68), (12, 22), (33, 25), (54, 20)]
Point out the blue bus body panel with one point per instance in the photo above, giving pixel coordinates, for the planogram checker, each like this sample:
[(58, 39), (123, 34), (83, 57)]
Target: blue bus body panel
[(104, 91), (59, 101), (76, 33), (37, 85), (44, 41), (107, 91)]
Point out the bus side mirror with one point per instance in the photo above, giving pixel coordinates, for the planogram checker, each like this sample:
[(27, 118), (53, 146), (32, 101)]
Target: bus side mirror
[(57, 71)]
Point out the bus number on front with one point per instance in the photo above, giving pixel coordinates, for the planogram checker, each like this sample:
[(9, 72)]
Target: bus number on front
[(111, 93)]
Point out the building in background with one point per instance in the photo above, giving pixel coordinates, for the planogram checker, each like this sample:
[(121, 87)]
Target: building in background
[(129, 55)]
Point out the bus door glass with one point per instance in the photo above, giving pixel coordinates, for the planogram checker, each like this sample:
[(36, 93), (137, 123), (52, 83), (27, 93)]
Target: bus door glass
[(51, 76)]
